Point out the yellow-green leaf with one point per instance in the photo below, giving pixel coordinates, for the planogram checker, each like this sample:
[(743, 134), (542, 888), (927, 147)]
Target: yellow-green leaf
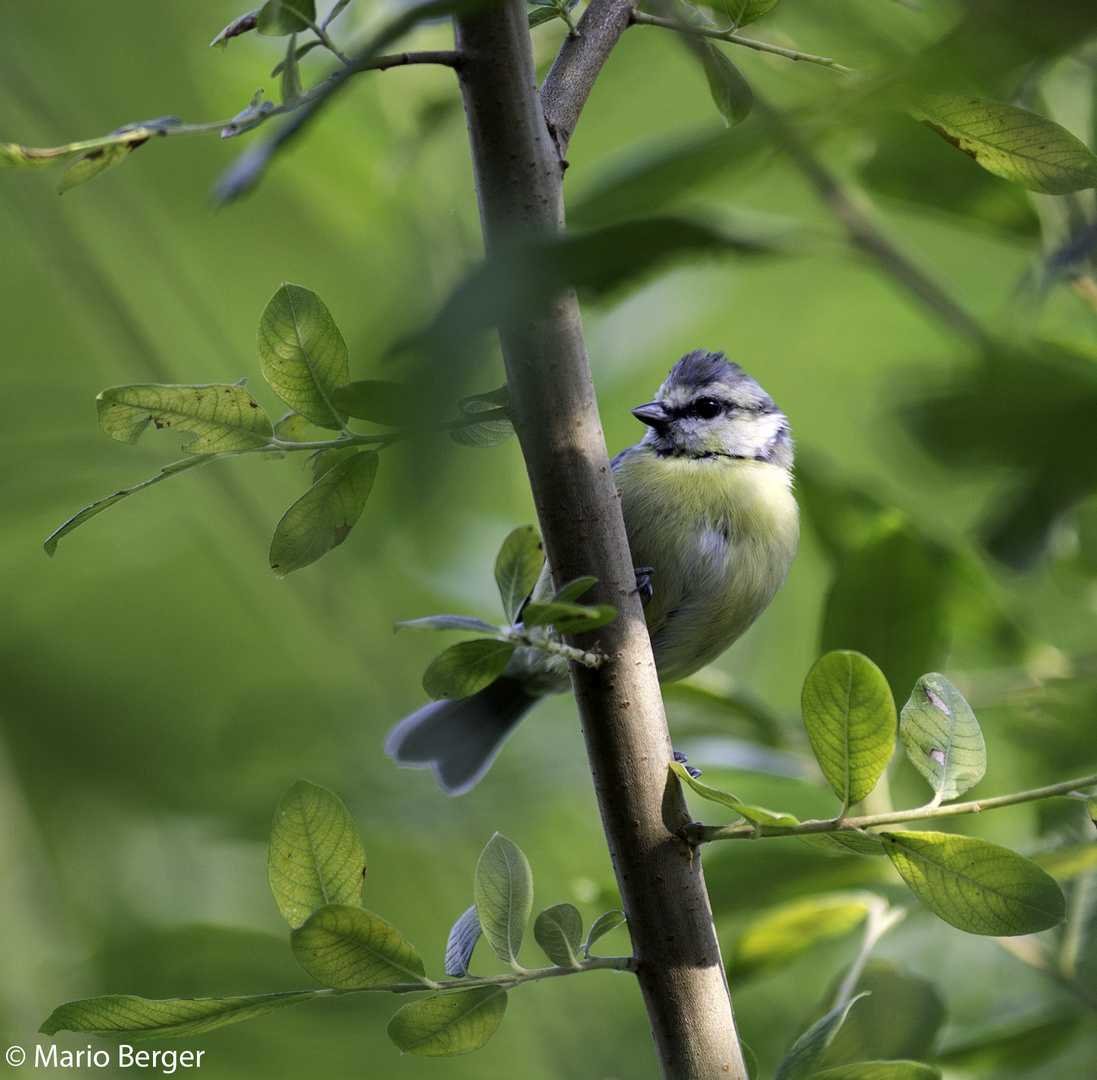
[(448, 1024)]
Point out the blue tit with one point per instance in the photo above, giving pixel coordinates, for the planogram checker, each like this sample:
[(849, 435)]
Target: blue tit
[(711, 520)]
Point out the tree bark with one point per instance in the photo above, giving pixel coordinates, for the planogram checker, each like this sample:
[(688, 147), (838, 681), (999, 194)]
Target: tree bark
[(519, 176)]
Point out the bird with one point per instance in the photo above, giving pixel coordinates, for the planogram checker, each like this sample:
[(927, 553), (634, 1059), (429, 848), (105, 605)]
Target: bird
[(713, 528)]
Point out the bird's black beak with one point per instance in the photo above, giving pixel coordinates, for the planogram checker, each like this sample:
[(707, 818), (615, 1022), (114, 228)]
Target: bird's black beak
[(653, 414)]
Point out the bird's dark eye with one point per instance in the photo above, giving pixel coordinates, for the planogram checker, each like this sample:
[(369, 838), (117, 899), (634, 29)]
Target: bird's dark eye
[(706, 408)]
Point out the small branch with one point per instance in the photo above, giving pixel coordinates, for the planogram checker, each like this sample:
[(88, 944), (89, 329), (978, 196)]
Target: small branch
[(443, 57), (640, 18), (881, 918), (865, 235), (695, 833)]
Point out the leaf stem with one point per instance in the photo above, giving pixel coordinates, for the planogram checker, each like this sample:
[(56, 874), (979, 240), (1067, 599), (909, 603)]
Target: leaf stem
[(640, 18), (695, 833)]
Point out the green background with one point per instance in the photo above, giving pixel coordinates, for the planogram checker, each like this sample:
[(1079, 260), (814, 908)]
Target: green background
[(160, 690)]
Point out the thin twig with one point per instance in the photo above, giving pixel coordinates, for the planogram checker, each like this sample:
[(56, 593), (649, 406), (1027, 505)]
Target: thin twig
[(640, 18)]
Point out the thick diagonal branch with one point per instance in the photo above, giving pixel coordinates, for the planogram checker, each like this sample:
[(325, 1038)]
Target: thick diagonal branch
[(518, 176)]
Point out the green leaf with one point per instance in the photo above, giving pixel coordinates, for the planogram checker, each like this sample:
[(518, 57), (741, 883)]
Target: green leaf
[(302, 354), (974, 885), (1068, 864), (569, 592), (942, 738), (844, 843), (891, 601), (462, 939), (504, 896), (517, 568), (490, 432), (541, 15), (316, 855), (793, 928), (449, 622), (291, 77), (276, 18), (449, 1024), (850, 719), (390, 404), (300, 51), (559, 932), (291, 427), (1013, 143), (755, 814), (605, 922), (731, 92), (349, 948), (148, 1018), (466, 668), (807, 1052), (744, 12), (87, 166), (899, 1020), (499, 398), (880, 1070), (222, 417), (568, 618), (322, 518), (240, 25), (168, 471)]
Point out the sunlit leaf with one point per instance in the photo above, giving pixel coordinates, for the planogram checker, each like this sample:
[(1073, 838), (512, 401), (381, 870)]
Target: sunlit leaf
[(485, 433), (87, 166), (222, 417), (791, 929), (572, 590), (391, 404), (605, 922), (974, 885), (517, 568), (316, 855), (322, 518), (302, 354), (349, 948), (448, 1024), (744, 12), (730, 91), (148, 1018), (462, 939), (559, 932), (504, 896), (1013, 143), (807, 1052), (844, 842), (942, 738), (276, 18), (879, 1070), (850, 719), (465, 668)]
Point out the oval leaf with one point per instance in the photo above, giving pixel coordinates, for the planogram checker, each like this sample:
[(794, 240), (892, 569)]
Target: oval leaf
[(559, 932), (571, 591), (465, 668), (606, 922), (449, 1024), (462, 940), (517, 568), (568, 618), (87, 166), (449, 622), (148, 1018), (321, 519), (850, 720), (880, 1070), (974, 885), (240, 25), (349, 948), (504, 896), (302, 354), (793, 928), (808, 1050), (731, 92), (316, 855), (1013, 143), (757, 815), (942, 737), (276, 18), (743, 12), (222, 417)]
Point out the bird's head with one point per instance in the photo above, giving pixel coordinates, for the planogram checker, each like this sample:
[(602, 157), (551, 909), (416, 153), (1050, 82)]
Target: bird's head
[(710, 407)]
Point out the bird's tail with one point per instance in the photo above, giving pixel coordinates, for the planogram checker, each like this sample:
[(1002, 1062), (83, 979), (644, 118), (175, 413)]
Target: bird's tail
[(458, 739)]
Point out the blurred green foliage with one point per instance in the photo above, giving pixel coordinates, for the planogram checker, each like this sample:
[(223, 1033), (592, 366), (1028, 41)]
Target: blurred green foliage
[(159, 690)]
